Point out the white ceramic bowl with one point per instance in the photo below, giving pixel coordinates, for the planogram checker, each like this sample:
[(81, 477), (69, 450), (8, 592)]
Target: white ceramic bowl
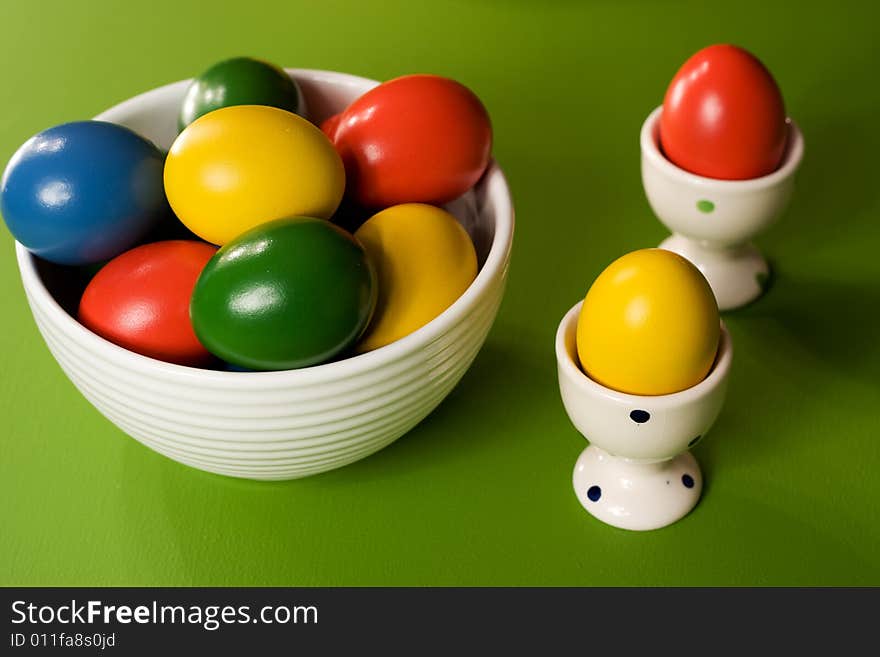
[(637, 472), (713, 220), (280, 425)]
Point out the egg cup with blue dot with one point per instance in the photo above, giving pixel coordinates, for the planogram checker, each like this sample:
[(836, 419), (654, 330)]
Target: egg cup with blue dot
[(712, 220), (638, 473)]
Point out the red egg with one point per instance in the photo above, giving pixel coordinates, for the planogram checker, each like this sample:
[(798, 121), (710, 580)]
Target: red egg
[(140, 300), (417, 138), (723, 116)]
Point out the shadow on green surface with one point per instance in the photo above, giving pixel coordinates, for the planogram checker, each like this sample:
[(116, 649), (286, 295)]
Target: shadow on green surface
[(492, 394), (828, 320), (832, 202), (802, 324)]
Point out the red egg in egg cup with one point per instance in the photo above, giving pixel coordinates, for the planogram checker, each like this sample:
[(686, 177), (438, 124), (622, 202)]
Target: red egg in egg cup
[(713, 220)]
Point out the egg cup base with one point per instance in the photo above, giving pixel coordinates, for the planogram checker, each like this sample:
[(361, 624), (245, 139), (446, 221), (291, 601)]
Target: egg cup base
[(737, 275), (636, 495)]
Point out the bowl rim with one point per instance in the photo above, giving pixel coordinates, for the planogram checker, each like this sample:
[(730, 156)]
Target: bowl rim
[(791, 159), (493, 268), (572, 372)]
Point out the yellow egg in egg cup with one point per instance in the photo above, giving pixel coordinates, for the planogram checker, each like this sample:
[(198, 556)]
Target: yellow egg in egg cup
[(638, 473), (643, 366)]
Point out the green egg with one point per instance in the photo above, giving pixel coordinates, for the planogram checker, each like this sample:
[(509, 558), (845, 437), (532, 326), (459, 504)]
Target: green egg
[(239, 81), (287, 294)]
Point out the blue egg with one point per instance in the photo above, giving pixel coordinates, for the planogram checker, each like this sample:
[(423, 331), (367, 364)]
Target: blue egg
[(83, 192)]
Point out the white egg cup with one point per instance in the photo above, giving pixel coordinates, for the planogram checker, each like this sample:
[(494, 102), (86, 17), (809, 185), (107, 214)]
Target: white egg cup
[(712, 221), (637, 472)]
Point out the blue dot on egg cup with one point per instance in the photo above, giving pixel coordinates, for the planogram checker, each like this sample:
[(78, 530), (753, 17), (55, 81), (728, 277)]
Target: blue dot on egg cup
[(637, 472), (712, 221)]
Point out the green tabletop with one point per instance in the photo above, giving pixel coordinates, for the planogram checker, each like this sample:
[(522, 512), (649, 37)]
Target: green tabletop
[(480, 492)]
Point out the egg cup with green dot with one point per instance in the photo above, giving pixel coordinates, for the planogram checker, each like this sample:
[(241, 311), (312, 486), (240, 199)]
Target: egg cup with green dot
[(712, 221), (638, 473)]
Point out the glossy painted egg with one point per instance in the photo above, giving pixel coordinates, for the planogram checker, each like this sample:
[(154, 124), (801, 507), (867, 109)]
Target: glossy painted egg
[(649, 325), (140, 301), (723, 116), (424, 260), (239, 81), (290, 293), (241, 166), (82, 192), (417, 138)]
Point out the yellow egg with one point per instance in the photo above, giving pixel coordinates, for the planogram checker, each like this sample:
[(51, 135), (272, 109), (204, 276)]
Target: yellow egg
[(649, 325), (237, 167), (424, 260)]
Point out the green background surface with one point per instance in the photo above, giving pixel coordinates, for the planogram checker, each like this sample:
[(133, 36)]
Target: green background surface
[(480, 492)]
